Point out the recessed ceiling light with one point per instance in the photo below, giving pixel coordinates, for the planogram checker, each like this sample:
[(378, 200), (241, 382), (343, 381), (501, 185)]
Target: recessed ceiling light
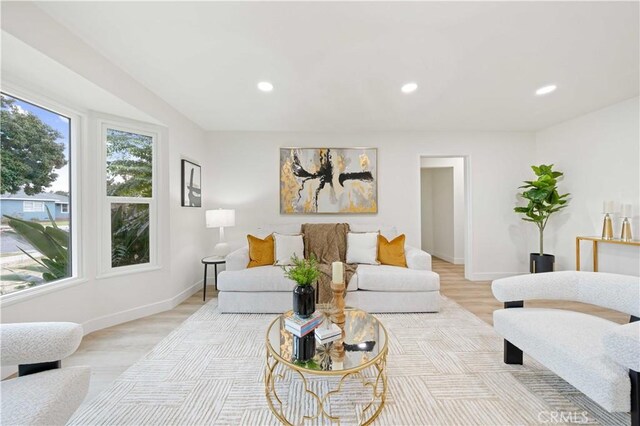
[(409, 87), (545, 90), (265, 86)]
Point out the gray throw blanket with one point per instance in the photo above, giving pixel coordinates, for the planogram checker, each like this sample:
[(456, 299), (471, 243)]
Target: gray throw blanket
[(328, 243)]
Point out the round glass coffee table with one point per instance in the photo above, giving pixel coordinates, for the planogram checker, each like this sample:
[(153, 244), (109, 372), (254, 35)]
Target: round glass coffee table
[(344, 381)]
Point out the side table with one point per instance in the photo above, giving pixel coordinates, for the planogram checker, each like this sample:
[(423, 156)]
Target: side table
[(595, 241), (215, 261)]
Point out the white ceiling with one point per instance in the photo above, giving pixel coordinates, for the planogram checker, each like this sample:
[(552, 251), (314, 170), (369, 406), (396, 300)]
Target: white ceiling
[(25, 66), (339, 66)]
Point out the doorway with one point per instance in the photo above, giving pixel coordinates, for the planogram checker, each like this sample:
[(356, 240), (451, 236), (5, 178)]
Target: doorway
[(443, 208)]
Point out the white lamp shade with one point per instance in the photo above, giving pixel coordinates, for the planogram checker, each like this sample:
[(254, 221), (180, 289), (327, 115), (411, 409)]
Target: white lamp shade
[(220, 218)]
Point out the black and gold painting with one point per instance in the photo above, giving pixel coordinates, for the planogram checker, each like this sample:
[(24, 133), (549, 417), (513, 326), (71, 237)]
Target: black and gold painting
[(328, 180)]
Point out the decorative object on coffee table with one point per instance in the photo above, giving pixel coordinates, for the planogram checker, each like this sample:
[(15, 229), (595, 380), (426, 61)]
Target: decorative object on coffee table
[(362, 371), (338, 288), (305, 273), (328, 180), (608, 209), (220, 218), (304, 348), (191, 184), (543, 200)]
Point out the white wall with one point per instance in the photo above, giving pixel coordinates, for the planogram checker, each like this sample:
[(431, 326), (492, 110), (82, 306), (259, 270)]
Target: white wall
[(244, 175), (600, 156), (443, 227), (459, 208), (101, 302), (426, 209)]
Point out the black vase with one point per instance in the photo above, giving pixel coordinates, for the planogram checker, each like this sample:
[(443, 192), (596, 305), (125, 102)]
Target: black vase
[(304, 301), (304, 348), (539, 264)]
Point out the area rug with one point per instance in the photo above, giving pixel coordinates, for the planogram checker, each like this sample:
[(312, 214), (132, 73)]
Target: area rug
[(443, 369)]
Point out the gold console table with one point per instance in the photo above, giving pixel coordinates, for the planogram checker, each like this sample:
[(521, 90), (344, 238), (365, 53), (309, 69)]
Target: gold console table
[(595, 241)]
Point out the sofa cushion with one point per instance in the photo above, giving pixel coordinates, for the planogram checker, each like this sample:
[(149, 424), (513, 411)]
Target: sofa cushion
[(392, 252), (569, 344), (286, 229), (388, 232), (362, 247), (261, 251), (261, 279), (287, 247), (394, 278)]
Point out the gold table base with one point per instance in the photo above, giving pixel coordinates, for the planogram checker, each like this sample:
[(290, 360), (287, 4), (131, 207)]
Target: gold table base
[(377, 384)]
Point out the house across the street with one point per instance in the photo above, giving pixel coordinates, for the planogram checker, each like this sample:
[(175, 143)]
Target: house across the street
[(34, 207)]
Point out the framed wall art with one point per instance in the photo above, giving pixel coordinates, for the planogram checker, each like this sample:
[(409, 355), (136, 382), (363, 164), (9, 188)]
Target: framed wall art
[(191, 184), (328, 180)]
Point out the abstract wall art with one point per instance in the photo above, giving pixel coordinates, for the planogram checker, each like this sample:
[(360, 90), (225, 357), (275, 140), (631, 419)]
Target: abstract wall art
[(191, 184), (328, 180)]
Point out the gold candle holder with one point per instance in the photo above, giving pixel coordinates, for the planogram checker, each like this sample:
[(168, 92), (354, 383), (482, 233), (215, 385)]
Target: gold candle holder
[(607, 228), (338, 319), (626, 235)]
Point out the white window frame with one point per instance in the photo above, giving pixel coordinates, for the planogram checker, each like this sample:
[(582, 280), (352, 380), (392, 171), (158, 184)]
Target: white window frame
[(64, 207), (33, 206), (106, 269), (78, 134)]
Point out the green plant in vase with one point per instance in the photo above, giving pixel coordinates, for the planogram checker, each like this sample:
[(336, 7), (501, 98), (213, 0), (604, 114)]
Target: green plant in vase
[(543, 200), (304, 272)]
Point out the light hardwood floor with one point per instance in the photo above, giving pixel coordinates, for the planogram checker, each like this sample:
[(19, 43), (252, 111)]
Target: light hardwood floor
[(111, 351), (476, 296)]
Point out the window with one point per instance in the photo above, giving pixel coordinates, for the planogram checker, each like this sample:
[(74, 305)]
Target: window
[(32, 206), (64, 208), (129, 191), (35, 148)]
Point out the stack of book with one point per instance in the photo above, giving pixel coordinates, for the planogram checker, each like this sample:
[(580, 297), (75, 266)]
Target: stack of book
[(303, 326), (328, 334)]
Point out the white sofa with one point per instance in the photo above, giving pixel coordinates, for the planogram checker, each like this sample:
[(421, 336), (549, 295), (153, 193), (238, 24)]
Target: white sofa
[(44, 393), (374, 288), (598, 357)]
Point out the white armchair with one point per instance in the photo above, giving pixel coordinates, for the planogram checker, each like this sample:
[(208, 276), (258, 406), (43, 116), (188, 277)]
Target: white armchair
[(599, 357), (43, 393)]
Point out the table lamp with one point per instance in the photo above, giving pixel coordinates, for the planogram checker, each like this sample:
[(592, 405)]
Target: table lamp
[(220, 218)]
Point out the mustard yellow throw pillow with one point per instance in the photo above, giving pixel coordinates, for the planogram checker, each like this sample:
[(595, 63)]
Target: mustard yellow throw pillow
[(260, 251), (392, 252)]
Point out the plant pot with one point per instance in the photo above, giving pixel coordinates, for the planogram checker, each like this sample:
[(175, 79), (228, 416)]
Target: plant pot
[(539, 264), (304, 348), (304, 301)]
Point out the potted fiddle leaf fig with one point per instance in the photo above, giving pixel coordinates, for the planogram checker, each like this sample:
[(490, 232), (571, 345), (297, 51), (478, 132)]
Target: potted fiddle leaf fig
[(304, 272), (543, 200)]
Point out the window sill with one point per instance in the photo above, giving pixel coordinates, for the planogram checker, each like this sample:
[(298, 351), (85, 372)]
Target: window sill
[(128, 270), (34, 292)]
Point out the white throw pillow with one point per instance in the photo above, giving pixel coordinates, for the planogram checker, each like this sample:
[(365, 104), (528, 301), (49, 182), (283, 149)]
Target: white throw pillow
[(286, 246), (362, 247)]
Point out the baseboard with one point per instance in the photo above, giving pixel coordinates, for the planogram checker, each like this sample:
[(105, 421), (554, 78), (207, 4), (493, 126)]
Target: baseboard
[(458, 260), (139, 311), (444, 257), (490, 276)]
